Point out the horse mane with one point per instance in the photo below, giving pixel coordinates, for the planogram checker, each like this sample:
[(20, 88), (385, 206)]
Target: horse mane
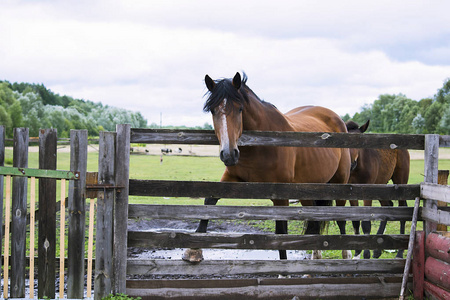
[(224, 89)]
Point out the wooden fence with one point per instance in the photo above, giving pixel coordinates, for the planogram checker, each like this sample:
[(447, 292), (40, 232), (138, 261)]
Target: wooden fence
[(367, 278), (376, 278), (20, 216)]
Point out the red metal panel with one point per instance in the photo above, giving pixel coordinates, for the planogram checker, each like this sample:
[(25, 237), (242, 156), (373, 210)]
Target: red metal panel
[(438, 272), (436, 291), (438, 246), (418, 265)]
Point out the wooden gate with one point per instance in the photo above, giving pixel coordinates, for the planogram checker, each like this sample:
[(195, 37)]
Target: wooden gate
[(376, 278)]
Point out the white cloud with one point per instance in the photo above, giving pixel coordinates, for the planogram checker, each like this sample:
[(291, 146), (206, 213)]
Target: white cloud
[(151, 56)]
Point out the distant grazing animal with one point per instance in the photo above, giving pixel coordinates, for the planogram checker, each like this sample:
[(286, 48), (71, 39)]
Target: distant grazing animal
[(376, 166), (235, 108)]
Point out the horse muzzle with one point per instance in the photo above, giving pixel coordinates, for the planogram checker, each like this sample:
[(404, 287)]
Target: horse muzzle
[(229, 158)]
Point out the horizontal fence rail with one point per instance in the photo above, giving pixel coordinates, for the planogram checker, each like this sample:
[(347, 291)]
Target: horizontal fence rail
[(167, 267), (28, 172), (222, 212), (256, 190), (286, 139), (156, 240), (266, 288)]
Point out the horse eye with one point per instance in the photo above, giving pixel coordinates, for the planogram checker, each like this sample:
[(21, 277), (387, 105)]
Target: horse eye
[(241, 109)]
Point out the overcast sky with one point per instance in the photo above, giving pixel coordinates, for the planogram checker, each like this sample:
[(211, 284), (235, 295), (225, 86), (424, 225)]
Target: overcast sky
[(152, 56)]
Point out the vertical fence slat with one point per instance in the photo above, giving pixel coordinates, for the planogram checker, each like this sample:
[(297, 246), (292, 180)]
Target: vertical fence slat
[(76, 215), (122, 170), (47, 217), (32, 229), (19, 214), (90, 246), (431, 158), (7, 222), (105, 205), (2, 163), (442, 179), (62, 233)]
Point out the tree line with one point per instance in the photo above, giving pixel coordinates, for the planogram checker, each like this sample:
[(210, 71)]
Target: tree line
[(399, 114), (34, 106)]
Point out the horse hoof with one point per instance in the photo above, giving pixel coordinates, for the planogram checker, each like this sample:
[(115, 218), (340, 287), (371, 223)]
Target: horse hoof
[(376, 254), (316, 254), (346, 254), (193, 255)]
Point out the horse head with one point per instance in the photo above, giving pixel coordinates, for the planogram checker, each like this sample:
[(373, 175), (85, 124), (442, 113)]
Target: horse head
[(226, 104), (353, 127)]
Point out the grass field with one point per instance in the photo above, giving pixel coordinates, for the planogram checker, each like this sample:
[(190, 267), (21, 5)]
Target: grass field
[(210, 169)]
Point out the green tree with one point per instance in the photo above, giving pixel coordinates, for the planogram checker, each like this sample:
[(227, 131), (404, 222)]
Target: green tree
[(15, 111)]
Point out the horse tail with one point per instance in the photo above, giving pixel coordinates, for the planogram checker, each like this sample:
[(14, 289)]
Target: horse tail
[(317, 227)]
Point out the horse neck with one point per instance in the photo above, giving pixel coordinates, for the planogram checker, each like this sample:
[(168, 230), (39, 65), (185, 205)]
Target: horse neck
[(258, 115)]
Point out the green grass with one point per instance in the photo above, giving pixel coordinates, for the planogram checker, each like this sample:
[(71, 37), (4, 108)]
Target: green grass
[(211, 169)]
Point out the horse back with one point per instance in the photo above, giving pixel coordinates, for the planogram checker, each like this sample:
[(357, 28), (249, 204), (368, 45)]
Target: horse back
[(378, 166), (315, 119)]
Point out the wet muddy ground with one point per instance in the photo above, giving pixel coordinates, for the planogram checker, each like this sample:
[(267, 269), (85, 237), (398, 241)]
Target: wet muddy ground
[(210, 254)]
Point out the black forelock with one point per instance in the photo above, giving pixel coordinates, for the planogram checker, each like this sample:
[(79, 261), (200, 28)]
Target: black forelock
[(224, 89)]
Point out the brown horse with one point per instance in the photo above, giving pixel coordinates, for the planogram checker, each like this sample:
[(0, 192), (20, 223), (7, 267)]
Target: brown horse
[(235, 108), (376, 166)]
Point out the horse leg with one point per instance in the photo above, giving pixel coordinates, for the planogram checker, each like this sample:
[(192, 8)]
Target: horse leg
[(281, 227), (196, 255), (402, 228), (356, 225), (382, 228), (315, 227), (346, 254), (366, 227)]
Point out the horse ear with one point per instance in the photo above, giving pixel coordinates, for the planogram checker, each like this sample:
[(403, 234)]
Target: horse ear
[(364, 127), (210, 84), (237, 80)]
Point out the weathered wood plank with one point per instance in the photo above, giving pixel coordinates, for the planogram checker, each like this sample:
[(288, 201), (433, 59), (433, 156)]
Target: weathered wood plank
[(274, 267), (122, 171), (29, 172), (436, 192), (2, 163), (312, 288), (431, 163), (436, 216), (264, 241), (317, 213), (19, 214), (256, 190), (47, 216), (76, 208), (444, 141), (105, 210), (277, 138)]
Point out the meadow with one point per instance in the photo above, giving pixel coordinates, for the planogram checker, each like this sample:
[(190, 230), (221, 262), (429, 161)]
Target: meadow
[(210, 168)]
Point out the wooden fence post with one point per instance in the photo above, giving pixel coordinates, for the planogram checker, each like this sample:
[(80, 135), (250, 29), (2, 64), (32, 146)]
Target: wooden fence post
[(19, 214), (47, 216), (2, 163), (122, 170), (431, 173), (442, 179), (77, 215), (105, 210)]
